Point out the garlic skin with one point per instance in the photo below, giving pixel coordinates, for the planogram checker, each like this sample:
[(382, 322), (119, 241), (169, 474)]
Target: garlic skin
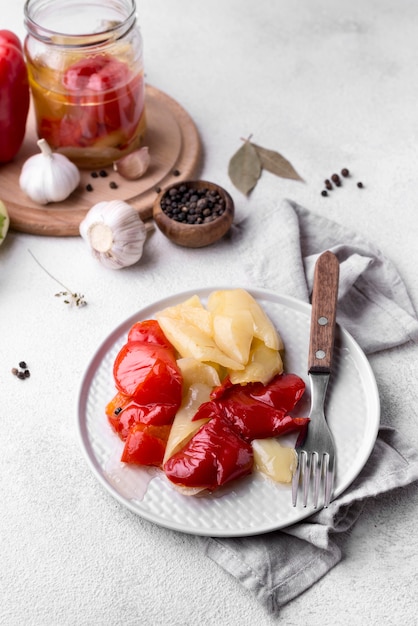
[(133, 165), (115, 233), (48, 176)]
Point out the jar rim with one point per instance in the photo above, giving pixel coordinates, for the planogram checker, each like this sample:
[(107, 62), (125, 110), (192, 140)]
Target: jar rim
[(110, 31)]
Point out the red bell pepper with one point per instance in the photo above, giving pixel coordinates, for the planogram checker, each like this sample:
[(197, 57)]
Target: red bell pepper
[(149, 385), (213, 457), (14, 96), (145, 445), (257, 411)]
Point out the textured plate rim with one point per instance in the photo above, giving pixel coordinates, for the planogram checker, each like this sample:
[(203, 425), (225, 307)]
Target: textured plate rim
[(148, 311)]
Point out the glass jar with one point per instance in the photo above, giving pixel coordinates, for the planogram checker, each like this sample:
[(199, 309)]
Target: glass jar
[(86, 74)]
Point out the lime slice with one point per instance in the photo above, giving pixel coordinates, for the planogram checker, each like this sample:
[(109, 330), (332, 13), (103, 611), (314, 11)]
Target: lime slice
[(4, 222)]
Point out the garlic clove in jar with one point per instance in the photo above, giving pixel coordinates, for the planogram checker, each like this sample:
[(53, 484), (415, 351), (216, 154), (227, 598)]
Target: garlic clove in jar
[(133, 165), (48, 176), (115, 233)]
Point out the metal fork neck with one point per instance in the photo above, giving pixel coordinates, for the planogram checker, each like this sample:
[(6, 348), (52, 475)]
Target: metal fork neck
[(318, 390)]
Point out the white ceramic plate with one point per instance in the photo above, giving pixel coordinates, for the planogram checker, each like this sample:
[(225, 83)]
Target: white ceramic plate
[(254, 504)]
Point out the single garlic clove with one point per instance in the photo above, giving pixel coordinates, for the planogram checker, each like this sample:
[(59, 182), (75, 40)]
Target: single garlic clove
[(133, 165)]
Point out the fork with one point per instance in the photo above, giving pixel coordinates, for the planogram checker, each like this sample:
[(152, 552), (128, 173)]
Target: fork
[(316, 453)]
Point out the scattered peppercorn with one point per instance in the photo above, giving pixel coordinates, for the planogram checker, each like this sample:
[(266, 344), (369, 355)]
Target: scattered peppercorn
[(345, 172), (113, 185), (94, 175), (158, 190), (324, 192), (103, 173), (176, 173), (89, 187), (22, 372), (192, 206)]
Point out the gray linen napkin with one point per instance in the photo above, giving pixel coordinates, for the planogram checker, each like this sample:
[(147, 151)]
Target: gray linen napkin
[(375, 308)]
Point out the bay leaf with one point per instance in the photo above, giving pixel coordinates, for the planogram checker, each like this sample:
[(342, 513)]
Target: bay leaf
[(244, 168), (275, 163)]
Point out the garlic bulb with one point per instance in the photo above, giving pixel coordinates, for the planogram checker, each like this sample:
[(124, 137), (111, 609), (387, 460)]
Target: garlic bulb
[(48, 176), (115, 233), (133, 165)]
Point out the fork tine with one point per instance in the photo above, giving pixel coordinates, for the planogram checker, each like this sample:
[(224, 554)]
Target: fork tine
[(316, 472), (329, 480), (295, 482), (306, 475)]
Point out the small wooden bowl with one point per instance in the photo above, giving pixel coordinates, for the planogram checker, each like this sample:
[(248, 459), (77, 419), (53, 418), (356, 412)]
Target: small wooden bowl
[(194, 235)]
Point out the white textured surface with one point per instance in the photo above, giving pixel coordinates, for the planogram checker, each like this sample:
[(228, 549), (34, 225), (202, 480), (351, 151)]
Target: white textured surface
[(330, 84)]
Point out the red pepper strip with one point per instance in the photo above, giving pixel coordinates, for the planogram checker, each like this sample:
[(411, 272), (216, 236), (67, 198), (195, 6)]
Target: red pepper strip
[(218, 392), (257, 411), (251, 419), (284, 391), (124, 419), (145, 445), (151, 332), (214, 456), (14, 96), (148, 374)]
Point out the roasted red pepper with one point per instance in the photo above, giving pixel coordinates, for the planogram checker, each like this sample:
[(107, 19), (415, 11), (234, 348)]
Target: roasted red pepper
[(213, 457), (149, 385), (102, 96), (150, 332), (145, 445), (148, 373), (14, 96), (257, 411)]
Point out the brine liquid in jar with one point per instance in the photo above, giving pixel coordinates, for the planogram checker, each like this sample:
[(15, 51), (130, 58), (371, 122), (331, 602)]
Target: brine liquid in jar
[(86, 74)]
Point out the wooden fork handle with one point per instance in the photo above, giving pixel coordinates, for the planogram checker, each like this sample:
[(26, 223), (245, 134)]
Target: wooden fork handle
[(324, 309)]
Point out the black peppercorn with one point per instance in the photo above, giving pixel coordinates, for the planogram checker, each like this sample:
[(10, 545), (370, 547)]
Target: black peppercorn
[(328, 184), (22, 372), (324, 192), (89, 187), (360, 185), (103, 173), (336, 179), (345, 172), (94, 175), (195, 206), (113, 185)]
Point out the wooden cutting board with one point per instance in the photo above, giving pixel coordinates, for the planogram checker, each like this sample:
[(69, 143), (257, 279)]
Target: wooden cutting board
[(175, 149)]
